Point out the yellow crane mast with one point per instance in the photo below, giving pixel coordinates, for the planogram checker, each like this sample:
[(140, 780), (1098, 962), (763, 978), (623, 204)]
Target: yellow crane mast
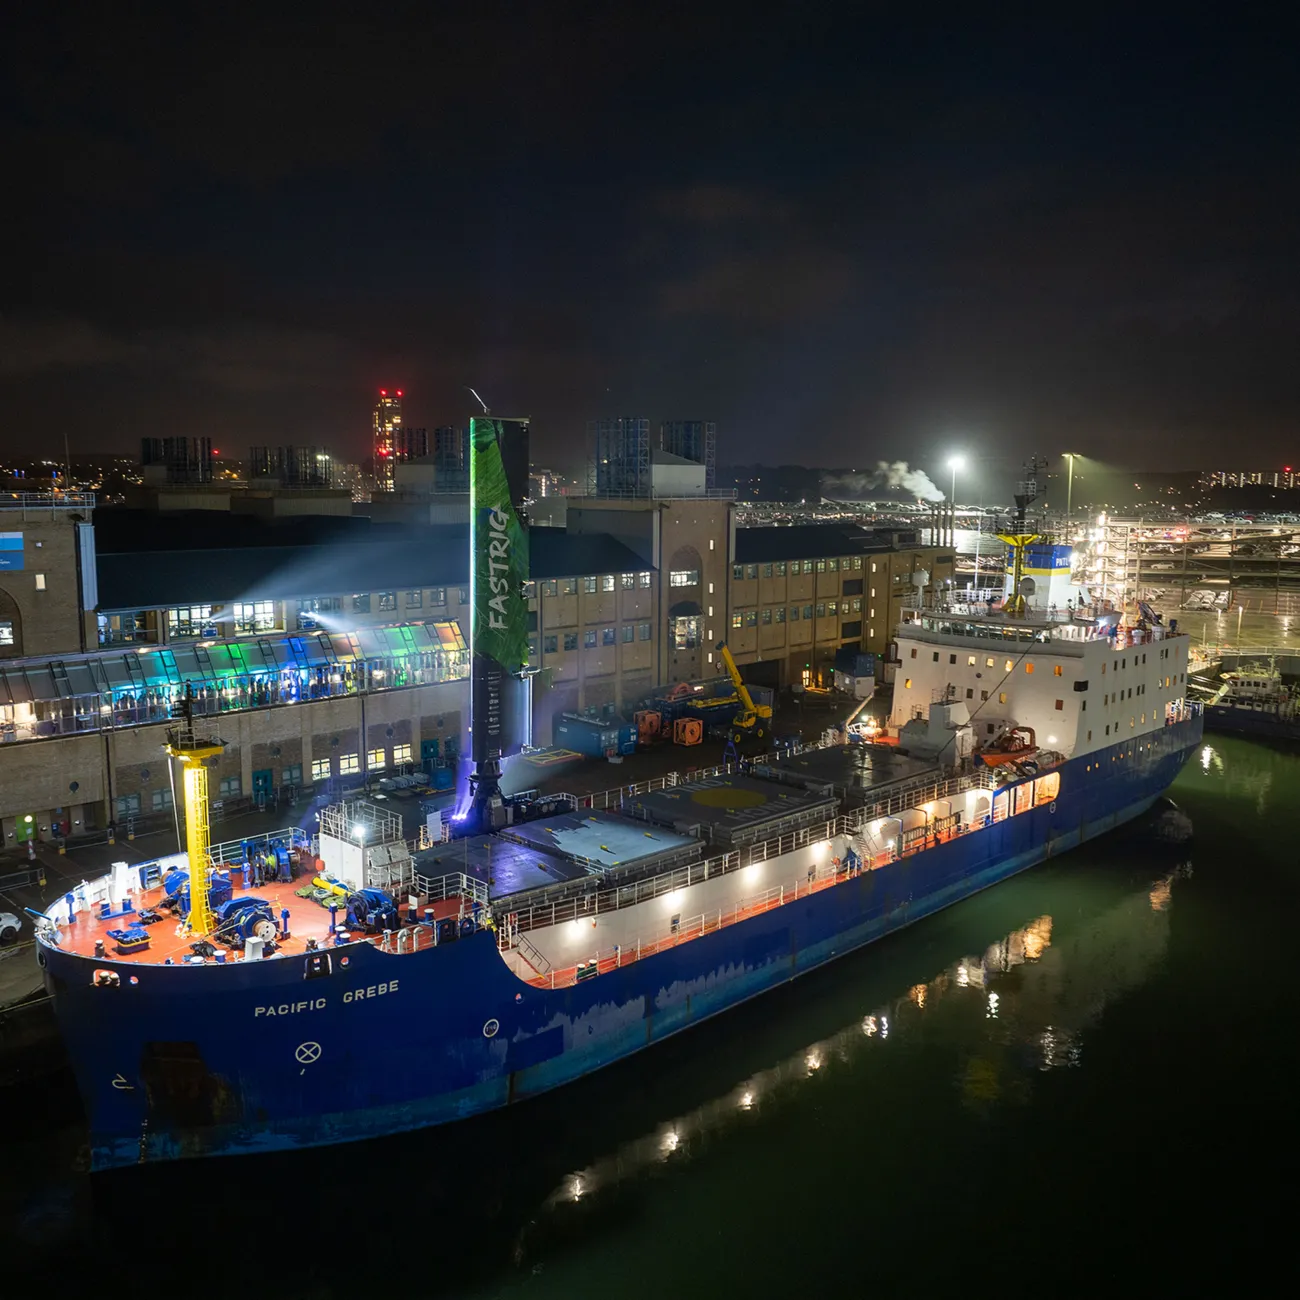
[(751, 715), (193, 755)]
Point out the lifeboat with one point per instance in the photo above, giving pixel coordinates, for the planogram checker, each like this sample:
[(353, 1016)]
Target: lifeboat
[(1013, 746)]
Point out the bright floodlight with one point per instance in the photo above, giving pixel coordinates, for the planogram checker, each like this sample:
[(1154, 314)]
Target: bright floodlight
[(956, 462), (358, 832)]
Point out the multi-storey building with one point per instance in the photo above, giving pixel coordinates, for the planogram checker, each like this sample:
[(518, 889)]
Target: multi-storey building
[(333, 648), (386, 422)]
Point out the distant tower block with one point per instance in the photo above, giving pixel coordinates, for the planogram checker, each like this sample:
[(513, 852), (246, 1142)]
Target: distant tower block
[(388, 419), (695, 440), (618, 457)]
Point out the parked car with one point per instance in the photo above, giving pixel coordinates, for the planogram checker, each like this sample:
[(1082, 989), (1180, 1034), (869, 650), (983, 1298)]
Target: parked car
[(9, 928)]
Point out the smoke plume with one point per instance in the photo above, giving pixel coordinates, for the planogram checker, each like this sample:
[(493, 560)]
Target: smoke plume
[(897, 474)]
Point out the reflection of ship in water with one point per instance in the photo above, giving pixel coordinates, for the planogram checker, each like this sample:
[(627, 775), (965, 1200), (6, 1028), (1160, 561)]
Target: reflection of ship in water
[(1037, 991)]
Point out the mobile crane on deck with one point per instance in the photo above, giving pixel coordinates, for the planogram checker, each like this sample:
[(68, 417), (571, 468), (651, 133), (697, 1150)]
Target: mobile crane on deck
[(751, 719)]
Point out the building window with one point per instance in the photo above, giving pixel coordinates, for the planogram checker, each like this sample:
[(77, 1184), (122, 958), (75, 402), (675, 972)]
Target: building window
[(161, 800), (128, 805), (1057, 670), (1007, 666), (984, 695), (684, 578), (857, 562), (530, 590), (737, 572), (970, 661), (607, 582), (821, 609), (907, 683), (833, 608), (913, 652), (550, 644), (1029, 668), (821, 566), (401, 753), (40, 581), (550, 587), (807, 566), (643, 631), (438, 595), (349, 764), (952, 659), (832, 566), (751, 570), (970, 692), (1060, 705), (1002, 697), (873, 568), (376, 758), (320, 769), (780, 614), (766, 617), (607, 636), (570, 640), (361, 604), (188, 620), (231, 785), (414, 599), (589, 586), (629, 633), (779, 568), (857, 606), (568, 586), (642, 579), (807, 611), (852, 629), (255, 616), (737, 620), (629, 581), (794, 613), (291, 775), (686, 633), (988, 663), (767, 570), (751, 618)]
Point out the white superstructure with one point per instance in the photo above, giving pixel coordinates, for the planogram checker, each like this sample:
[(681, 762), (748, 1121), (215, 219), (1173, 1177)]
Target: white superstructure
[(1080, 685)]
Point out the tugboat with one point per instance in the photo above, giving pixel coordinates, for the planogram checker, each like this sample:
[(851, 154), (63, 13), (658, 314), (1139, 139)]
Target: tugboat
[(1254, 701)]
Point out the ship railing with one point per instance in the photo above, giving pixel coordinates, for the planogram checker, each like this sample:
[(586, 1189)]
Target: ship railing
[(928, 791), (232, 851), (455, 884), (593, 902), (682, 929), (614, 798)]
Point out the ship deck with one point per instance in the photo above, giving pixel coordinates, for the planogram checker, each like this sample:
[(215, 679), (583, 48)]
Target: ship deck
[(307, 920)]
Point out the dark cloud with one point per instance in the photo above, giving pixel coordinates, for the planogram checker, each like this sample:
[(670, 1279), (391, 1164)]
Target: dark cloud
[(842, 236)]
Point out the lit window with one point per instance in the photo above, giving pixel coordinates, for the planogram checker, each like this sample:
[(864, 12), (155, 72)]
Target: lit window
[(40, 581), (1029, 668), (438, 595), (607, 582), (189, 620), (376, 758), (401, 753), (414, 599), (780, 568), (1057, 670), (255, 616), (766, 617), (873, 569), (737, 620), (568, 587), (349, 764), (1002, 697), (780, 614), (1007, 667), (737, 572), (686, 633), (320, 769), (988, 663), (684, 578), (751, 618), (907, 683), (361, 604), (629, 580), (970, 661), (751, 570), (589, 586), (388, 600)]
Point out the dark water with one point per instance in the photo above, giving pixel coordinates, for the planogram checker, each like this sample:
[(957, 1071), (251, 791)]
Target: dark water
[(1083, 1079)]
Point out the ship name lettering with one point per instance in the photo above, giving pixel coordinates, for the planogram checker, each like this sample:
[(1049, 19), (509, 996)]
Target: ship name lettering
[(289, 1008), (374, 991)]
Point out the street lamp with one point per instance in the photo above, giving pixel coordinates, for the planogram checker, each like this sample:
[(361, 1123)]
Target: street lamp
[(955, 463), (1069, 489)]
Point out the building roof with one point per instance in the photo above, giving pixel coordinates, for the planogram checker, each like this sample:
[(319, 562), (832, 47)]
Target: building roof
[(383, 557), (807, 542)]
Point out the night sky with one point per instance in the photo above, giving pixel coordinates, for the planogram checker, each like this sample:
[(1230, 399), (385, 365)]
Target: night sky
[(844, 237)]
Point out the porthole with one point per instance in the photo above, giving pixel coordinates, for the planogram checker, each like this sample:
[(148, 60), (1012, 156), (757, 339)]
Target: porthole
[(490, 1029)]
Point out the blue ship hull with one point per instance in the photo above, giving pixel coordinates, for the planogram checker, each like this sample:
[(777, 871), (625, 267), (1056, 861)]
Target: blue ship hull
[(1258, 723), (223, 1060)]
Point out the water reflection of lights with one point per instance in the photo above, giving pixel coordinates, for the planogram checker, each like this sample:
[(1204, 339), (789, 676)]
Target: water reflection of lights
[(1016, 1007)]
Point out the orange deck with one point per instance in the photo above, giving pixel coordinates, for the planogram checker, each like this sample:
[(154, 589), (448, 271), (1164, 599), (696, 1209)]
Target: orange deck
[(307, 920)]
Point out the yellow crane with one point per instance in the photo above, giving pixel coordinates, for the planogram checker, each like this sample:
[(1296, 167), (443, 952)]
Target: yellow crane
[(751, 716), (193, 754)]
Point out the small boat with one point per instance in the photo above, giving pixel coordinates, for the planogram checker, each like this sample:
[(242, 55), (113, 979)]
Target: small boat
[(1013, 746)]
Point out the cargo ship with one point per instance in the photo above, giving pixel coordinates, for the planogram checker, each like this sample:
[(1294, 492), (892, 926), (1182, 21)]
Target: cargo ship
[(302, 991)]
